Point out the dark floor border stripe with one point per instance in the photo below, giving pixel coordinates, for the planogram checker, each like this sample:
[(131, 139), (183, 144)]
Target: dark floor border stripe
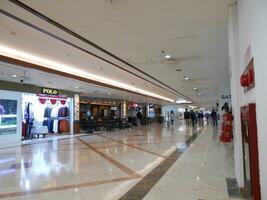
[(140, 190)]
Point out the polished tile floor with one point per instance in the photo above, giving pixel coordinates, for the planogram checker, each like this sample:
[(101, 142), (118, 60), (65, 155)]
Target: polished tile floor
[(106, 166)]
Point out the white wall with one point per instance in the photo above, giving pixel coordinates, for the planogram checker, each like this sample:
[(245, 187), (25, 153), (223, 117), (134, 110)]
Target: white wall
[(233, 37), (6, 140), (251, 18), (259, 50)]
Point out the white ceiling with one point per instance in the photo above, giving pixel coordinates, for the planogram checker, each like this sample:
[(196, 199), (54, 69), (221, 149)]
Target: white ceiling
[(194, 32)]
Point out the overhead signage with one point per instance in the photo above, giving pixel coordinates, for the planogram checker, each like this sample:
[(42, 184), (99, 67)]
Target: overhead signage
[(50, 91), (226, 97)]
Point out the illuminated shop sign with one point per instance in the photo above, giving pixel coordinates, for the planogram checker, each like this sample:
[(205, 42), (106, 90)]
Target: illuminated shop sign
[(50, 91)]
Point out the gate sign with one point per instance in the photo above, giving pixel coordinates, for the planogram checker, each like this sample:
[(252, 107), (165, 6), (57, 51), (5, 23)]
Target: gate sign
[(226, 97), (50, 91)]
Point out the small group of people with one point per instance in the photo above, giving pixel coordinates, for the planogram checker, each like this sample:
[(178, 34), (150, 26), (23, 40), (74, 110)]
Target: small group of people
[(191, 117), (194, 117)]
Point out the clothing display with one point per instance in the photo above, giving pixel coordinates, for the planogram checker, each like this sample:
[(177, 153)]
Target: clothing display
[(63, 112), (54, 112), (47, 112), (55, 126), (50, 125), (42, 117), (63, 126)]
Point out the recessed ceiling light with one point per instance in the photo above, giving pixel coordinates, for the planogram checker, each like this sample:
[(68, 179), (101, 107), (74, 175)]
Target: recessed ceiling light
[(167, 56), (76, 87), (109, 94), (14, 76), (186, 78), (195, 88), (199, 94)]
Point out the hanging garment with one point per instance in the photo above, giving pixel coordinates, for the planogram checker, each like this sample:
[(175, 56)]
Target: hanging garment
[(24, 130), (47, 112), (54, 112), (55, 126), (63, 112), (66, 111), (45, 122), (50, 125), (63, 126), (29, 119)]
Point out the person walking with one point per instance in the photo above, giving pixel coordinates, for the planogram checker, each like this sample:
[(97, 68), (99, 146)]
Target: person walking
[(172, 117), (207, 116), (186, 117), (214, 117), (193, 118)]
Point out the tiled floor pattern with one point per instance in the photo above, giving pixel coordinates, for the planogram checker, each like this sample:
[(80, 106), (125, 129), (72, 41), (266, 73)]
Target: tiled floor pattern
[(147, 183), (45, 169), (102, 166), (200, 172)]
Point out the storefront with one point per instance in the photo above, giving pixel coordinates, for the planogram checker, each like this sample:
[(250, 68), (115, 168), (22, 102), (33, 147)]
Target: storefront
[(27, 111), (45, 114), (99, 110)]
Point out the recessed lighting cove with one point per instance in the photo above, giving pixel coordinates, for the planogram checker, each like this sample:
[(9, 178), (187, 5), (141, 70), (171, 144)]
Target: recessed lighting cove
[(48, 63)]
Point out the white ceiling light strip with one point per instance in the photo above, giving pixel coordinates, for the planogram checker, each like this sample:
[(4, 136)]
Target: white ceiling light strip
[(16, 54)]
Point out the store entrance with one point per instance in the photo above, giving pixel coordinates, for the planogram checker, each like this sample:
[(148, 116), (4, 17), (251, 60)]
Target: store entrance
[(45, 115)]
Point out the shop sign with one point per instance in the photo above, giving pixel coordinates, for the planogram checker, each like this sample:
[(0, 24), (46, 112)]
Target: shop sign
[(226, 97), (50, 91)]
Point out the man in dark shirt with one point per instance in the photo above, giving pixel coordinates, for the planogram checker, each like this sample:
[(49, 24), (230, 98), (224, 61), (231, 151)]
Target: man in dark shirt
[(214, 117), (186, 117)]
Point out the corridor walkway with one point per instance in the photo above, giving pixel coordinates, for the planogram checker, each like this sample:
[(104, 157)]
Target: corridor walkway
[(112, 165)]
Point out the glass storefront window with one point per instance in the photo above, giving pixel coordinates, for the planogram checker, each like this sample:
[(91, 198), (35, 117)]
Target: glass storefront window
[(8, 116)]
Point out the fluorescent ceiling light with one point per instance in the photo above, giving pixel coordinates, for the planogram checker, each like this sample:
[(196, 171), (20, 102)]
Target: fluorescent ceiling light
[(48, 63), (186, 78), (182, 101), (14, 76), (167, 56), (193, 107)]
